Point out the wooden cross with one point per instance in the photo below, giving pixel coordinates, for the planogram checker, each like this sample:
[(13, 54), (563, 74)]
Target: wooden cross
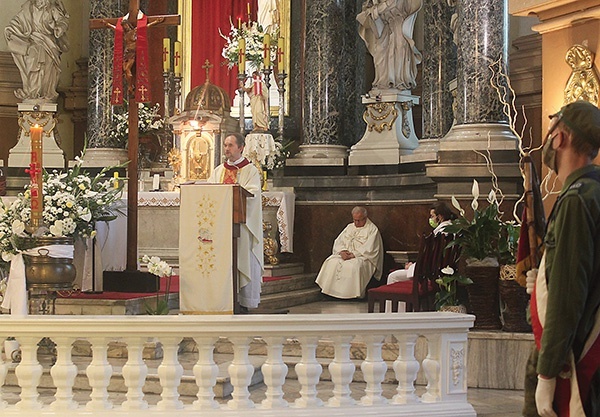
[(133, 139), (207, 66)]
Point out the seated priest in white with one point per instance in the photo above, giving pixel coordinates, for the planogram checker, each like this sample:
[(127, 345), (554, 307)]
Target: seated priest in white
[(440, 216), (357, 256), (239, 170)]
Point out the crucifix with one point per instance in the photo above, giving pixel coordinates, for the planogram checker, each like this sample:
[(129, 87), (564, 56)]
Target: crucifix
[(130, 27)]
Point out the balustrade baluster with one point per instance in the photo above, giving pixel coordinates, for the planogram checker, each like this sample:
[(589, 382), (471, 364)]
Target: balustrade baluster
[(373, 369), (206, 371), (99, 372), (341, 370), (240, 372), (134, 374), (63, 374), (170, 372), (3, 373), (274, 371), (431, 367), (28, 372), (309, 372), (406, 368)]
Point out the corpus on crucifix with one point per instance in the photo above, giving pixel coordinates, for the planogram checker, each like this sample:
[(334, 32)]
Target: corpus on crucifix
[(131, 62)]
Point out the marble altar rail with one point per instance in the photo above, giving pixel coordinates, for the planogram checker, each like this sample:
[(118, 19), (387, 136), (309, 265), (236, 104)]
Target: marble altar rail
[(445, 366)]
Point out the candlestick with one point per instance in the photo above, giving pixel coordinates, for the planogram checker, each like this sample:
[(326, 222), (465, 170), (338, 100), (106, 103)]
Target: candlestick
[(267, 50), (167, 90), (280, 54), (177, 92), (178, 58), (166, 54), (35, 173), (281, 75), (267, 79), (242, 56), (241, 80)]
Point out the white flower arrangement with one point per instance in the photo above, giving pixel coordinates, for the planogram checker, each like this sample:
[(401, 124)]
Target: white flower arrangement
[(254, 35), (149, 120), (157, 267), (73, 203)]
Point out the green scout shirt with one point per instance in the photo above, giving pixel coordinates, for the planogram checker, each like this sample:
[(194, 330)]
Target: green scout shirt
[(572, 245)]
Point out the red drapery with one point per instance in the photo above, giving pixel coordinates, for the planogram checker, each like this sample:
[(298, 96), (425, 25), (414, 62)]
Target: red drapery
[(207, 17)]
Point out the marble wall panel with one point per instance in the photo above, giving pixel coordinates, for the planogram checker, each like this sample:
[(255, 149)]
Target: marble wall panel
[(482, 39), (329, 72), (439, 68), (317, 226), (100, 72)]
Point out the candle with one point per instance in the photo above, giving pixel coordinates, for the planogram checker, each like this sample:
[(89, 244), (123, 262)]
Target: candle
[(156, 182), (178, 59), (239, 22), (248, 4), (116, 182), (267, 50), (242, 56), (166, 54), (280, 53), (35, 173)]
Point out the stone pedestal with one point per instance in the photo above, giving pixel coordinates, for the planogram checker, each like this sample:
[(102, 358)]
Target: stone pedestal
[(390, 130), (319, 155), (43, 115), (104, 157)]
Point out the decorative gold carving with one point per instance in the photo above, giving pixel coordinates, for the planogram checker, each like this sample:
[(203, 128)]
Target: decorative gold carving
[(380, 116), (583, 84), (270, 246)]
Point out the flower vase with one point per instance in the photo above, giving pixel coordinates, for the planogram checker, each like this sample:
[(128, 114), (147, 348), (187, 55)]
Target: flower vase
[(483, 293), (513, 301), (12, 350)]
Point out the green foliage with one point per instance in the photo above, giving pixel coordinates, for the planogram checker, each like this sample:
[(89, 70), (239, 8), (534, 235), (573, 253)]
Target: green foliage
[(448, 293), (508, 242)]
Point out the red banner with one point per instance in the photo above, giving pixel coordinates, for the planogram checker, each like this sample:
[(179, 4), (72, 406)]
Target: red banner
[(116, 97), (142, 82)]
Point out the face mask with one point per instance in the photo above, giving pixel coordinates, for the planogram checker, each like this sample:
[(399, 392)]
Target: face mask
[(433, 222), (549, 155)]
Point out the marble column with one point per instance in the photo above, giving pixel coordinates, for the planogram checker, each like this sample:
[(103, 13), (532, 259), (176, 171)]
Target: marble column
[(481, 125), (439, 68), (329, 73), (99, 83)]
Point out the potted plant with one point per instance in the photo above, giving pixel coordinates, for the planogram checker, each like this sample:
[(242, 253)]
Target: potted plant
[(479, 237), (161, 269), (446, 299), (513, 297)]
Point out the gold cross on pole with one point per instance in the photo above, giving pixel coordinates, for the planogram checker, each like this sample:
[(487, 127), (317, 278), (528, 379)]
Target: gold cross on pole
[(207, 66)]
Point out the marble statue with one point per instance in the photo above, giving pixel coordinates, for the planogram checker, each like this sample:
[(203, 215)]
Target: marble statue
[(258, 103), (387, 26), (36, 38), (268, 14)]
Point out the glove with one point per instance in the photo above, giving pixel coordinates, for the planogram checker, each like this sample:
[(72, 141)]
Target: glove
[(531, 277), (544, 395)]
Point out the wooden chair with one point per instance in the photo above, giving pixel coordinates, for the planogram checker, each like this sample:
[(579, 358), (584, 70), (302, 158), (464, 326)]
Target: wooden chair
[(419, 292)]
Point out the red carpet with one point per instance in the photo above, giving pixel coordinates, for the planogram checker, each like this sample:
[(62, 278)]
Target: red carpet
[(111, 295)]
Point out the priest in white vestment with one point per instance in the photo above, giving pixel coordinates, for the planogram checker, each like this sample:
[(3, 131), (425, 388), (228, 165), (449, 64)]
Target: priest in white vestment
[(357, 256), (239, 170)]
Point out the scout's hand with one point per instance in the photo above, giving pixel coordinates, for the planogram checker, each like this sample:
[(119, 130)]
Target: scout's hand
[(531, 277), (544, 394)]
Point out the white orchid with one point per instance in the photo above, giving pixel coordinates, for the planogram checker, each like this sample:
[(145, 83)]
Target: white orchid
[(157, 266)]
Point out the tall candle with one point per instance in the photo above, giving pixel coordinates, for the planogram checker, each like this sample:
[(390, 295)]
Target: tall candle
[(280, 53), (267, 50), (178, 59), (242, 56), (166, 54), (35, 173), (239, 22), (248, 4), (116, 181)]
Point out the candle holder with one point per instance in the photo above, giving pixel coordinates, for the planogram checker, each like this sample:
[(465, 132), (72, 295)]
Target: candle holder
[(167, 91), (177, 92), (267, 77), (281, 76), (241, 80)]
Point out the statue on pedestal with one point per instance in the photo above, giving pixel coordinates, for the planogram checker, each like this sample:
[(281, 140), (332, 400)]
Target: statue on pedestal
[(387, 26), (258, 103), (36, 38)]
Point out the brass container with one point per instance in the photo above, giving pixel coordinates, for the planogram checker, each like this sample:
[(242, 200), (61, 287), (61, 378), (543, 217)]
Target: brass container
[(46, 273)]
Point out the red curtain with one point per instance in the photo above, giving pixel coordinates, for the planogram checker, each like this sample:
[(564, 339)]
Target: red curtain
[(207, 17)]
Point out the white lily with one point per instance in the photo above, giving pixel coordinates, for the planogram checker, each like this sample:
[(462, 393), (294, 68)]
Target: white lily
[(492, 197), (448, 270), (475, 193), (457, 206)]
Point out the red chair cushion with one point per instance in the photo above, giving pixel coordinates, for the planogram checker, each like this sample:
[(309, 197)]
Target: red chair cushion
[(402, 287)]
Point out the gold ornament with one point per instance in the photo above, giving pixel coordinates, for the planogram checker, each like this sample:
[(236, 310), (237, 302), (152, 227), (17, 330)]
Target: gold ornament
[(583, 84)]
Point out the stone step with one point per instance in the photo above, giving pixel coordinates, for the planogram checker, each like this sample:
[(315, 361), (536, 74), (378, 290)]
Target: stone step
[(280, 301), (285, 269), (296, 282)]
